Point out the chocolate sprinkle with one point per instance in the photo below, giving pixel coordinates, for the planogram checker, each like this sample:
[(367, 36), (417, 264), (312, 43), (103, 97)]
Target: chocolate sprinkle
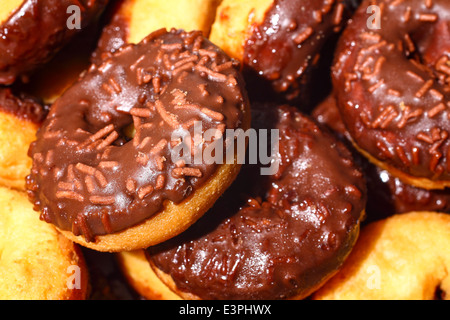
[(392, 89)]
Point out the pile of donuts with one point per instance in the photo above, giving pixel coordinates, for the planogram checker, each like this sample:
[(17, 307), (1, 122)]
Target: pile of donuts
[(97, 97)]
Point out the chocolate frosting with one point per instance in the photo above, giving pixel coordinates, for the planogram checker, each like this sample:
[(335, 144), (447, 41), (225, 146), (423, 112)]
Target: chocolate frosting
[(91, 174), (386, 194), (114, 33), (274, 236), (392, 85), (289, 40), (36, 30)]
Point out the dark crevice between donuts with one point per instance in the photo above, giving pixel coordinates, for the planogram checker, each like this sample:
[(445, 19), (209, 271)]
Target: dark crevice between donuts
[(107, 282), (315, 85)]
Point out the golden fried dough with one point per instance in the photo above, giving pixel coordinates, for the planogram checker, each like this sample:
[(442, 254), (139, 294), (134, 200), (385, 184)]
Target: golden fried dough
[(15, 138), (404, 257), (7, 7), (141, 17), (36, 262), (149, 15)]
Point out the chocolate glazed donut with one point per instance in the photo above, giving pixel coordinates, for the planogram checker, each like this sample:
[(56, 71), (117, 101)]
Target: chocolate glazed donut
[(279, 42), (289, 41), (36, 30), (272, 237), (386, 194), (392, 89), (93, 176)]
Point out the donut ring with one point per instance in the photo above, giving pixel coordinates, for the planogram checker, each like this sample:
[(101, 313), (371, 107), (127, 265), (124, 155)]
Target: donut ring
[(403, 257), (37, 262), (111, 190), (277, 40), (250, 248), (400, 126), (34, 30)]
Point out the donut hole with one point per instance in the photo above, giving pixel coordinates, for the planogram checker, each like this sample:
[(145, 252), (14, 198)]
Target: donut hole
[(432, 43), (129, 131), (429, 48)]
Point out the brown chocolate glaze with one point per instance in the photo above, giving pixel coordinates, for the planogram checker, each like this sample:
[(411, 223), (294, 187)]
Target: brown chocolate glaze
[(22, 106), (392, 89), (387, 195), (113, 34), (36, 31), (275, 236), (92, 176), (289, 40)]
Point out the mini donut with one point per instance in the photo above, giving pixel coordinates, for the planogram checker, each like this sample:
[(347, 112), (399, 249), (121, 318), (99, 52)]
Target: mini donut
[(269, 236), (32, 31), (392, 86), (277, 40), (387, 195), (51, 79), (20, 117), (108, 178), (130, 21), (37, 262), (403, 257)]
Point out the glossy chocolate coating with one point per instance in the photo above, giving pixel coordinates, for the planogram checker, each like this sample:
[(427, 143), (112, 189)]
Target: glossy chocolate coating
[(274, 236), (386, 194), (36, 31), (114, 33), (91, 175), (289, 40), (392, 85)]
